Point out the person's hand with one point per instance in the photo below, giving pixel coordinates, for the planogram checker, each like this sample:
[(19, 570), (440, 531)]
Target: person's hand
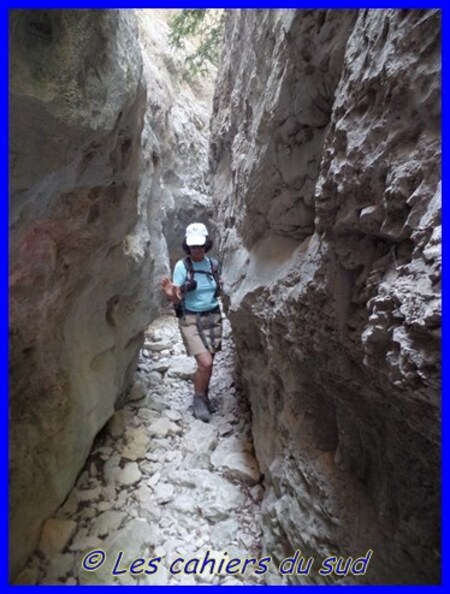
[(172, 291), (167, 286)]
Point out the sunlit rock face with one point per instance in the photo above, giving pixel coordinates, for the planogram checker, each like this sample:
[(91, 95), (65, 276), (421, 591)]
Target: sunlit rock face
[(82, 257), (182, 130), (325, 151)]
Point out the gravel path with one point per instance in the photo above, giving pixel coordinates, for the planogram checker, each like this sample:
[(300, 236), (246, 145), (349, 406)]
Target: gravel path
[(163, 498)]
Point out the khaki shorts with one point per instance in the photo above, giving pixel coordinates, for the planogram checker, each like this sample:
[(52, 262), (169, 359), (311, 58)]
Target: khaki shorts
[(198, 330)]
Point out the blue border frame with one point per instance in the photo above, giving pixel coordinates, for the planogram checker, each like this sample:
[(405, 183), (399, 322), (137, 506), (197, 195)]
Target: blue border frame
[(221, 4), (4, 238), (4, 304), (445, 572)]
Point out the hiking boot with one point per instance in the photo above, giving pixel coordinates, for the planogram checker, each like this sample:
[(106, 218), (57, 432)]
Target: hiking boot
[(201, 410), (211, 406)]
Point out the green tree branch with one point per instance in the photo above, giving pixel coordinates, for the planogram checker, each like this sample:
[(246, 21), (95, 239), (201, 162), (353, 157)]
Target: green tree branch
[(207, 27)]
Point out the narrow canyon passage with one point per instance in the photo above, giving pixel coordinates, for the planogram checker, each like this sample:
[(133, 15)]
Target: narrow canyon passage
[(310, 148), (161, 485)]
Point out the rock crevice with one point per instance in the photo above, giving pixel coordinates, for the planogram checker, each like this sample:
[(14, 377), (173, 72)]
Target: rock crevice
[(326, 165)]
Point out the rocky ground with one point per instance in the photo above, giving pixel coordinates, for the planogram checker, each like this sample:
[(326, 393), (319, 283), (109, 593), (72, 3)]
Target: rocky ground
[(163, 498)]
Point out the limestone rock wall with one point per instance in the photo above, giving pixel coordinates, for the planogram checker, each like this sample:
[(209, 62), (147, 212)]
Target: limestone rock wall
[(86, 242), (183, 130), (325, 152)]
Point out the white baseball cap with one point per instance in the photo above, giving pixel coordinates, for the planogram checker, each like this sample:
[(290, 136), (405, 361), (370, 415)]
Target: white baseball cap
[(196, 234)]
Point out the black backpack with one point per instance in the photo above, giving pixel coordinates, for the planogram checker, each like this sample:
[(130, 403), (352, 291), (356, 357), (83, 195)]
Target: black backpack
[(190, 284)]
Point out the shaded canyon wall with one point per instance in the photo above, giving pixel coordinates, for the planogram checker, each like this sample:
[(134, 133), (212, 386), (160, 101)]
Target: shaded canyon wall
[(325, 152), (91, 132)]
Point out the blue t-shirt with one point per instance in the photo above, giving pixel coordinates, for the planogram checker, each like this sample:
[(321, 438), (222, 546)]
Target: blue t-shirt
[(202, 298)]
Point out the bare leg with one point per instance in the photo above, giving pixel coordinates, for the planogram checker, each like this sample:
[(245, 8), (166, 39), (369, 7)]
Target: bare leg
[(203, 373), (201, 381)]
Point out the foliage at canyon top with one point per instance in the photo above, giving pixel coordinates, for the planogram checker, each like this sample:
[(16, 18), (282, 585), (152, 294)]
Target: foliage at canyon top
[(204, 26)]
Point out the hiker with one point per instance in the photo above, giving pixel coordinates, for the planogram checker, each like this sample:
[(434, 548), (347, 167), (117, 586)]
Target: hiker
[(194, 291)]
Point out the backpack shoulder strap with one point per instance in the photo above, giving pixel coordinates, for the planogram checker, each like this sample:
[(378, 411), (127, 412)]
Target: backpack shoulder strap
[(215, 274), (189, 268), (214, 266)]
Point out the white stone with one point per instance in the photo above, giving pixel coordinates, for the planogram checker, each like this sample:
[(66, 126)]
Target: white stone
[(225, 429), (111, 467), (232, 581), (56, 535), (148, 416), (89, 494), (257, 493), (159, 578), (224, 533), (185, 579), (164, 492), (233, 459), (137, 392), (104, 452), (104, 506), (199, 442), (137, 445), (109, 493), (128, 475), (134, 537), (212, 495), (159, 346), (146, 499), (173, 415), (163, 427), (84, 543), (107, 522), (154, 378), (181, 367), (161, 366), (153, 480), (116, 425), (174, 456), (58, 568)]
